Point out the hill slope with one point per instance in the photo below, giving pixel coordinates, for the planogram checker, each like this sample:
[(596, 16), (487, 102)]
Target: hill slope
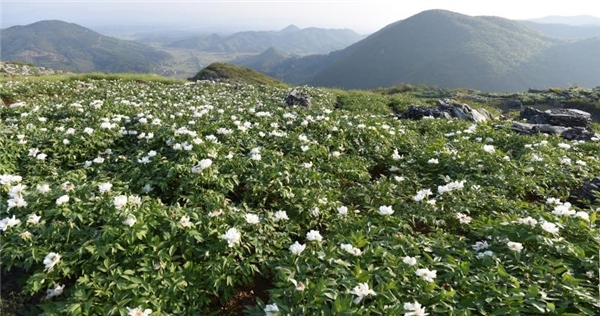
[(63, 45), (290, 40), (564, 30), (453, 50), (232, 73)]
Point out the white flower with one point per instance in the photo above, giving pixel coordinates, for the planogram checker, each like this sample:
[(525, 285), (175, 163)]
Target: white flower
[(530, 221), (203, 164), (56, 291), (88, 130), (9, 179), (414, 309), (138, 311), (297, 248), (185, 221), (514, 246), (551, 201), (489, 148), (232, 236), (271, 309), (151, 153), (51, 260), (411, 261), (351, 249), (63, 199), (361, 290), (119, 201), (549, 227), (9, 222), (314, 235), (426, 274), (480, 245), (98, 160), (144, 160), (25, 235), (386, 210), (433, 161), (41, 157), (421, 194), (335, 154), (342, 210), (130, 220), (134, 199), (16, 201), (147, 188), (564, 209), (484, 254), (281, 215), (307, 165), (564, 146), (583, 215), (33, 152), (463, 218), (252, 218), (104, 187), (33, 219)]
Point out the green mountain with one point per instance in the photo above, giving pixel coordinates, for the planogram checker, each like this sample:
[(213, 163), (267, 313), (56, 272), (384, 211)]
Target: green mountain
[(564, 30), (290, 40), (62, 45), (452, 50), (235, 74), (265, 61)]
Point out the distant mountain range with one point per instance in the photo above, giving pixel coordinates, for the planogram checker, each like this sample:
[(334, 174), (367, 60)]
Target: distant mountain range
[(565, 30), (68, 46), (577, 20), (291, 39), (450, 50)]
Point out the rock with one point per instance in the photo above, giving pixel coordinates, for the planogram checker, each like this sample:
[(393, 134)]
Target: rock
[(447, 108), (571, 124), (513, 103), (591, 189), (297, 98)]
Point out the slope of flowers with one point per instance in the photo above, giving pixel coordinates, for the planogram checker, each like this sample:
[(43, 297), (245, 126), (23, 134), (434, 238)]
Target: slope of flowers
[(120, 198)]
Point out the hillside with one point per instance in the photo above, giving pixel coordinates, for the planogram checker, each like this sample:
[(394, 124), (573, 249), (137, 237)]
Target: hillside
[(452, 50), (569, 20), (62, 45), (291, 40), (231, 73)]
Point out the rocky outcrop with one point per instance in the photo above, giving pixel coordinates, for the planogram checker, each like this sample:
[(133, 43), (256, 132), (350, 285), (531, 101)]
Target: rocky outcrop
[(296, 97), (591, 189), (571, 124), (447, 108)]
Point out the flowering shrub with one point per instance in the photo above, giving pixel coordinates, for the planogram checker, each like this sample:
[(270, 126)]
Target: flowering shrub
[(151, 199)]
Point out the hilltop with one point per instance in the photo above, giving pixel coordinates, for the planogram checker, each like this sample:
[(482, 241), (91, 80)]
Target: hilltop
[(69, 46), (234, 74)]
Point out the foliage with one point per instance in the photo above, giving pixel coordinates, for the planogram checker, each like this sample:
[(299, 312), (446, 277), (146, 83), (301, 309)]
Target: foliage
[(185, 198), (235, 74)]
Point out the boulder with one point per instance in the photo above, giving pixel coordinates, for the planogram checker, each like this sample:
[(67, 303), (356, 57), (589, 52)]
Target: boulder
[(571, 124), (296, 97), (591, 189), (513, 103), (447, 108)]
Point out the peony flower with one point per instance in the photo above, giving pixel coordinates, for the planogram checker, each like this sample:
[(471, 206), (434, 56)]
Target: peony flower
[(185, 221), (515, 246), (203, 164), (104, 187), (342, 210), (314, 235), (33, 219), (271, 309), (130, 220), (351, 249), (56, 291), (433, 161), (252, 218), (426, 274), (549, 227), (463, 218), (43, 188), (484, 254), (489, 148), (281, 215), (120, 201), (421, 194), (480, 245), (530, 221), (232, 236), (8, 222), (138, 311), (414, 309), (564, 210), (297, 248), (25, 235), (411, 261), (51, 260), (63, 199), (386, 210), (361, 290), (583, 215)]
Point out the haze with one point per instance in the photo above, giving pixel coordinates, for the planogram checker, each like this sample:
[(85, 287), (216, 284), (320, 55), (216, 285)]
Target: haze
[(229, 16)]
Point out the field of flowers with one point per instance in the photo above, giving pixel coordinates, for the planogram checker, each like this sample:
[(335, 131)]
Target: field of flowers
[(144, 198)]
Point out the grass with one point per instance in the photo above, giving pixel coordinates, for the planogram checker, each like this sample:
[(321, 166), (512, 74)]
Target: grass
[(96, 76)]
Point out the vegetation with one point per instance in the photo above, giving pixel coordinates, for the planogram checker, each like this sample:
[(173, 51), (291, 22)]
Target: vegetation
[(235, 74), (127, 197)]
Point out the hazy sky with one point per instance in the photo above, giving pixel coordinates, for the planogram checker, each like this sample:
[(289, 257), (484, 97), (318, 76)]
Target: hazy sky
[(361, 16)]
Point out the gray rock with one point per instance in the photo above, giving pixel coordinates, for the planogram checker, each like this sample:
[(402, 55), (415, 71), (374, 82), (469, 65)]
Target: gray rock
[(447, 108), (513, 103), (560, 117), (591, 189), (296, 97)]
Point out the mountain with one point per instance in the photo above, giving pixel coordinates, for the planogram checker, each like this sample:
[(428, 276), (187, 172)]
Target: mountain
[(291, 40), (577, 20), (265, 61), (62, 45), (452, 50), (565, 30), (235, 74)]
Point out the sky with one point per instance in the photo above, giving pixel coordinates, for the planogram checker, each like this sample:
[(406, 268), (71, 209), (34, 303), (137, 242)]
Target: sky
[(227, 16)]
